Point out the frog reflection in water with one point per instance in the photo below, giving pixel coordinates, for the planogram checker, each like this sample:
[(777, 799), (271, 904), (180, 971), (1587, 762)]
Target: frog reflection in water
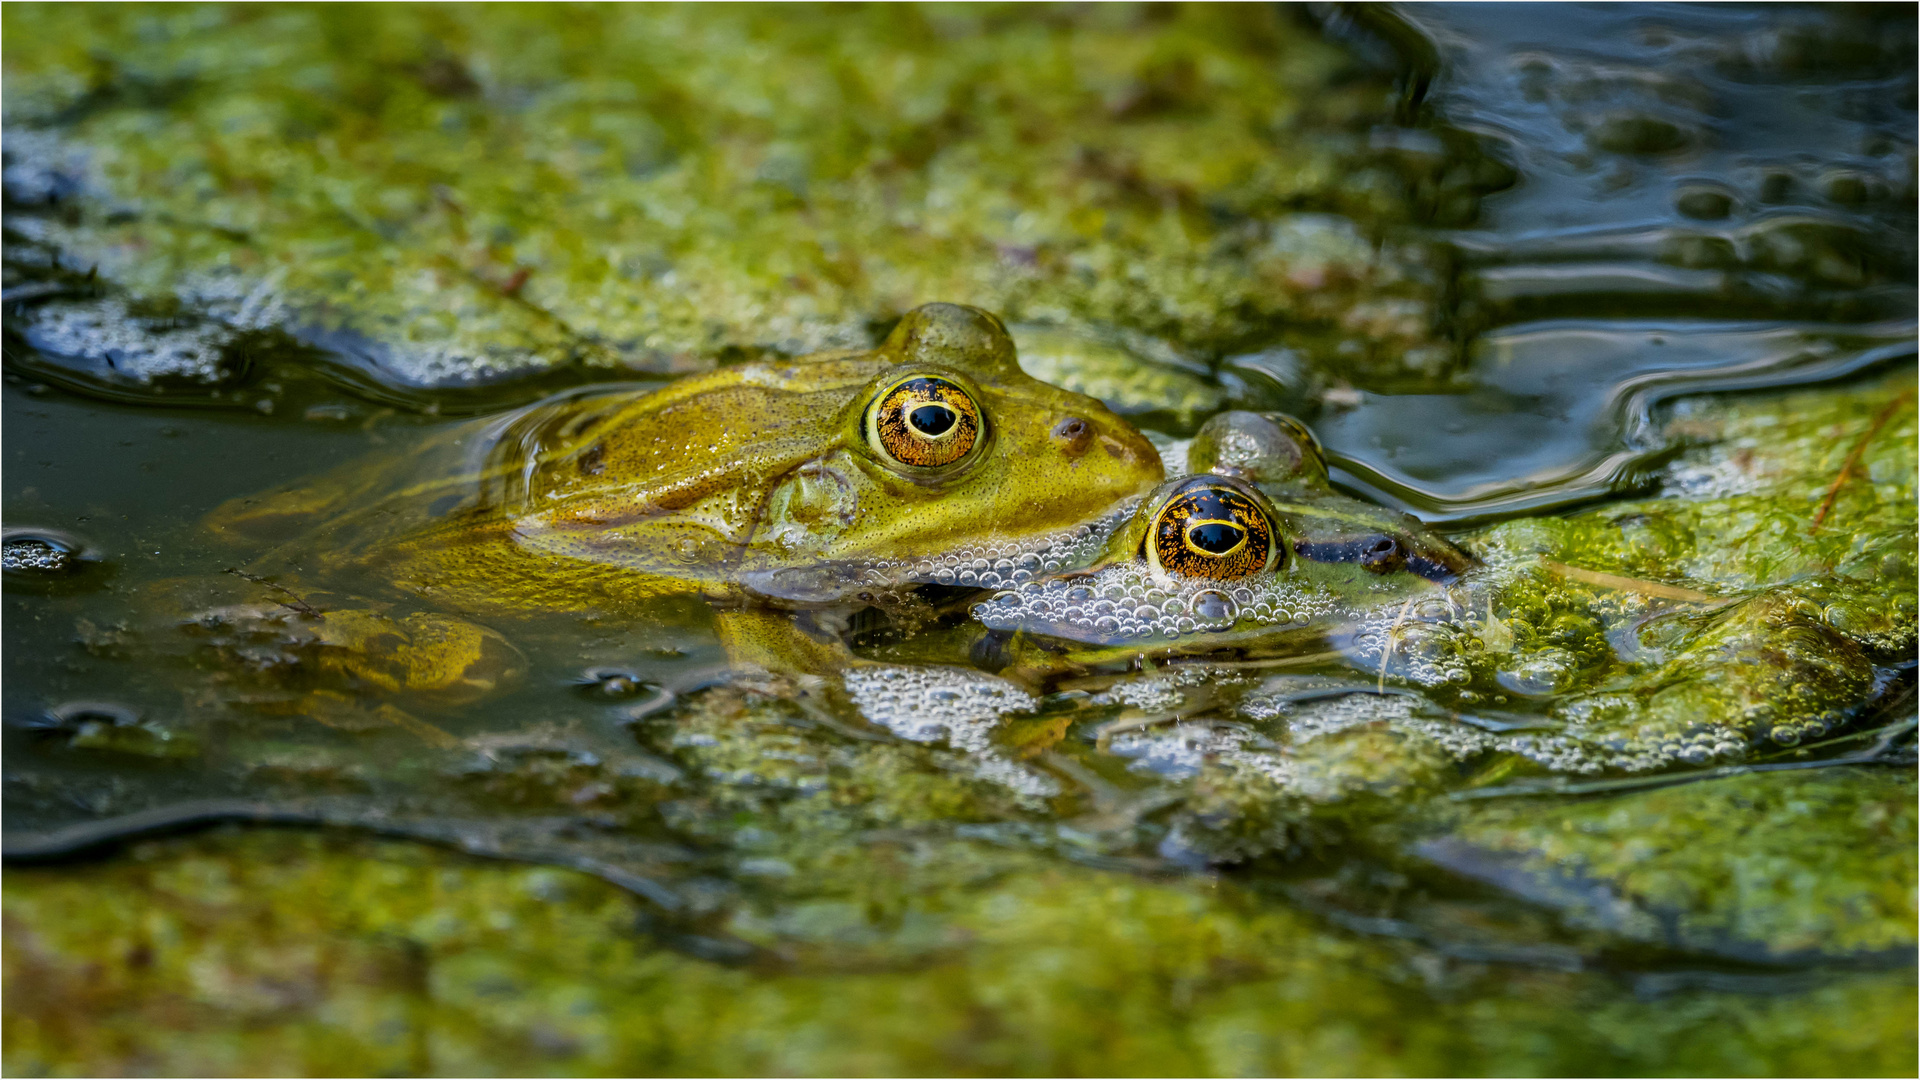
[(789, 484), (1254, 551)]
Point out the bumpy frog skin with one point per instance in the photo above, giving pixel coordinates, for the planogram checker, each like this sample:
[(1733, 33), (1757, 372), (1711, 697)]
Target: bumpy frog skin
[(796, 481), (793, 483), (1253, 547)]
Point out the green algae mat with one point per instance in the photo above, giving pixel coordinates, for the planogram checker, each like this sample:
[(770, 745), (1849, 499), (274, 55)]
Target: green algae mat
[(1620, 298)]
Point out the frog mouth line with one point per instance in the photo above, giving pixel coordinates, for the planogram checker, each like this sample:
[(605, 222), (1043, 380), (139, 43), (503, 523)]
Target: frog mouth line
[(1001, 564), (1380, 554)]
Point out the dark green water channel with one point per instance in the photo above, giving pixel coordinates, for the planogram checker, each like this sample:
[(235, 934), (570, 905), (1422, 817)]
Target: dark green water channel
[(1621, 297)]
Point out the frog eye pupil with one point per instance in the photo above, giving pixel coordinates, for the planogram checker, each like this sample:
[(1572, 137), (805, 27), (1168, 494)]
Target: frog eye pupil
[(932, 420), (1215, 537), (924, 422)]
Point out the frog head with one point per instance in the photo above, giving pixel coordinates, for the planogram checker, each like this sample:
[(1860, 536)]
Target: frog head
[(1258, 549), (1273, 450), (806, 479), (1279, 455)]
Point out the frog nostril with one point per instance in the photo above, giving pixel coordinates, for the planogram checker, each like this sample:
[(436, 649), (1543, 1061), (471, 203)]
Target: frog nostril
[(1382, 555), (1073, 435)]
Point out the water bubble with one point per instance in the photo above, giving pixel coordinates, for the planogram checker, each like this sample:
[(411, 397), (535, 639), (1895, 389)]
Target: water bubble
[(1215, 606), (28, 553), (611, 682), (72, 715)]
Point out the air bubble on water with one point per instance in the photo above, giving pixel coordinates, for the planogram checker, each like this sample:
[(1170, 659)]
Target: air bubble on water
[(959, 705), (105, 330), (1214, 607), (1180, 751), (36, 554), (930, 703)]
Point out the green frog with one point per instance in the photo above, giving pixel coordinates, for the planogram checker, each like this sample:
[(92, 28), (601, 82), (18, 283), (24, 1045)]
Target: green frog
[(760, 488), (1252, 564), (1251, 553)]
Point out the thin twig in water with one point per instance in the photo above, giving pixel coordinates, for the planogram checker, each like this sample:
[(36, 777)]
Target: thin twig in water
[(1853, 458), (1629, 584), (1393, 635), (297, 605), (1301, 660)]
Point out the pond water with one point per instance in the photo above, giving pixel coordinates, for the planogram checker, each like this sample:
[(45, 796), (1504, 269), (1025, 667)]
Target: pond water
[(1621, 298)]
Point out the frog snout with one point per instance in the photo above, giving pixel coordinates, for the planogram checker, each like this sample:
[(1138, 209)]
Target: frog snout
[(1127, 448), (1073, 435)]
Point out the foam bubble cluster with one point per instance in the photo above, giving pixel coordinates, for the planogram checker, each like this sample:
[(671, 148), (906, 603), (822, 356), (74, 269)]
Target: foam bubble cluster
[(959, 705), (1004, 564), (107, 331), (35, 554), (1575, 747), (1126, 603), (1180, 751)]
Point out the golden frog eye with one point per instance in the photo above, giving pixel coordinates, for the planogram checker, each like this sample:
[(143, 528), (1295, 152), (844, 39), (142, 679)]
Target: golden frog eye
[(1211, 529), (924, 422)]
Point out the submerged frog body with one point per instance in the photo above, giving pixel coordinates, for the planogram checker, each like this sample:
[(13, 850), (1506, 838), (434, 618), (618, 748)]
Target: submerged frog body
[(787, 484)]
